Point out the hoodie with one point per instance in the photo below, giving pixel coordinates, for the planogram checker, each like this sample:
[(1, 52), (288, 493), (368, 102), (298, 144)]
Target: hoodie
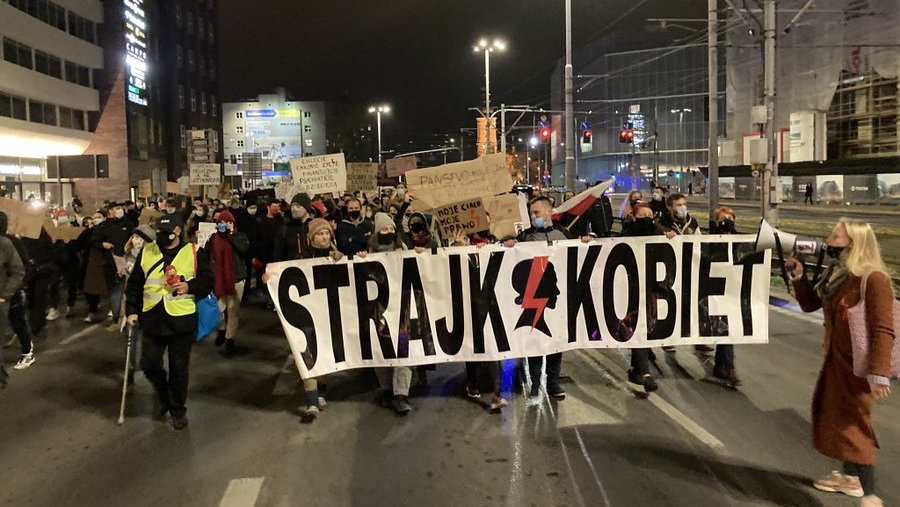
[(12, 272)]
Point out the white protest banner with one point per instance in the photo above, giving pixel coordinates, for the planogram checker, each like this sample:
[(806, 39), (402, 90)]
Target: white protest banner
[(399, 166), (287, 190), (485, 304), (446, 184), (363, 176), (205, 174), (461, 217), (205, 231), (319, 175)]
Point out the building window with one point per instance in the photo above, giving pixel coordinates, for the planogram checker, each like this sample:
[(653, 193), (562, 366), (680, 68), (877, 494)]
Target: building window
[(39, 112), (239, 143), (202, 65), (183, 135), (178, 14), (81, 27), (212, 69), (180, 96), (190, 22), (239, 129), (193, 100), (307, 114), (65, 117), (201, 28), (309, 143), (19, 108), (214, 105), (17, 53), (212, 32), (203, 103), (152, 133), (239, 115), (307, 128), (180, 56), (191, 60)]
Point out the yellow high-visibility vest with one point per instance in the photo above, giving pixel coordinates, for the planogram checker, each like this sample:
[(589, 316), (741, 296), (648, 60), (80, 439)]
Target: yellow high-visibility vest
[(155, 288)]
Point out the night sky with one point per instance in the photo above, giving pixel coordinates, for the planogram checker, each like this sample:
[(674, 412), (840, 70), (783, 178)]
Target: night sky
[(414, 55)]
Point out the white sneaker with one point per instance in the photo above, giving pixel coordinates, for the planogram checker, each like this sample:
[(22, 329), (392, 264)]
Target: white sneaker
[(25, 361), (89, 319), (53, 314)]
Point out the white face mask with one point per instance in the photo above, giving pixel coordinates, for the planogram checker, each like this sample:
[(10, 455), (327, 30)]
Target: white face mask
[(63, 220), (98, 221), (119, 213), (252, 211), (681, 212), (137, 243), (199, 212)]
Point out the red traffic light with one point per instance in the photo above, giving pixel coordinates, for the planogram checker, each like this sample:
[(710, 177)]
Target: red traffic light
[(626, 136), (586, 137), (545, 134)]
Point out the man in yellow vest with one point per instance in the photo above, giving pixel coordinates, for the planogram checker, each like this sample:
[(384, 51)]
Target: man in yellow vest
[(169, 276)]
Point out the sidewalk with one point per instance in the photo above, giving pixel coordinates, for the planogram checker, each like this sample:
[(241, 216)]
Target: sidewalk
[(856, 209)]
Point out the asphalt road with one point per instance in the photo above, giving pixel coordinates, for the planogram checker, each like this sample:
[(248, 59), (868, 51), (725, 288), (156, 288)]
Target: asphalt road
[(875, 215), (693, 443)]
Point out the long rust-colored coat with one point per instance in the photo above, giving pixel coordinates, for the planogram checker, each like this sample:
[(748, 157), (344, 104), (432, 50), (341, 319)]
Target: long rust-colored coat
[(842, 402)]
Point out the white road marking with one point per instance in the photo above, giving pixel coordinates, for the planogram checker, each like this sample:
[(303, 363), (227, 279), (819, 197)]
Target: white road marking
[(86, 331), (806, 317), (673, 413), (242, 492)]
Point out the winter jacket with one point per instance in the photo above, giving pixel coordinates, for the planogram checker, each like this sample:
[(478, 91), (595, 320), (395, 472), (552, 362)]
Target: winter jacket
[(240, 247), (293, 240), (553, 233), (12, 272), (353, 238)]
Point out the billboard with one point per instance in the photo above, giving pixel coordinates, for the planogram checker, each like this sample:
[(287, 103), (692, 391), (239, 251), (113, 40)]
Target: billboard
[(274, 133)]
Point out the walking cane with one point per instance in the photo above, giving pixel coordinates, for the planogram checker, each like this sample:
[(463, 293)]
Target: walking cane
[(130, 334)]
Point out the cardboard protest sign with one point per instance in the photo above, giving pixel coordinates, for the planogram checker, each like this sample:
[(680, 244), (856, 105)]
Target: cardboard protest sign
[(319, 175), (461, 218), (495, 303), (400, 166), (148, 216), (145, 188), (171, 187), (25, 220), (64, 233), (363, 176), (204, 232), (508, 214), (446, 184), (205, 174)]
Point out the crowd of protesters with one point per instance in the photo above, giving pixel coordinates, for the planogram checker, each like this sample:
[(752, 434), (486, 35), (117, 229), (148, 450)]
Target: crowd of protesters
[(121, 260)]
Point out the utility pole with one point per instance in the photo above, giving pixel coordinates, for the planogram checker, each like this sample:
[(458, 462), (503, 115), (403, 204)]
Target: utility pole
[(503, 129), (770, 174), (569, 121), (713, 35), (487, 101)]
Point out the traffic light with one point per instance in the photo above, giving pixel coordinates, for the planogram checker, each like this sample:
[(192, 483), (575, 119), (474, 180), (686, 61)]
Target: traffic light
[(544, 132), (626, 136), (586, 137)]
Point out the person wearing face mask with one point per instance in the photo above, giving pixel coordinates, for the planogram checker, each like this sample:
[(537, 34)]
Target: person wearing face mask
[(294, 238), (419, 236), (142, 235), (677, 221), (658, 202), (543, 228), (167, 313), (724, 369), (625, 214), (201, 213), (354, 231), (228, 248), (100, 268), (842, 401), (394, 382), (132, 215)]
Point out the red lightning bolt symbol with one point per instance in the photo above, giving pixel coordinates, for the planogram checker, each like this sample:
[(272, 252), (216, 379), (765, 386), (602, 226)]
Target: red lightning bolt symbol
[(534, 278)]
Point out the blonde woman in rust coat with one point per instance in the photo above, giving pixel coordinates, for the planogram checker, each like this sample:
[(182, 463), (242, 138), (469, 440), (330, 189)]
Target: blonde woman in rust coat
[(842, 402)]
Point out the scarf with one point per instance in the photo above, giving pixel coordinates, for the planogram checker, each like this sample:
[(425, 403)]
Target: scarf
[(832, 279), (223, 260)]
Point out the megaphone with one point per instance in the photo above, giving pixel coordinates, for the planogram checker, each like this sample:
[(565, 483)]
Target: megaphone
[(769, 238)]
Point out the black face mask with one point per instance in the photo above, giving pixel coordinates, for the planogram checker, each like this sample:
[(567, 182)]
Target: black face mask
[(644, 226), (834, 251), (387, 239), (354, 215), (417, 227), (165, 238), (726, 226)]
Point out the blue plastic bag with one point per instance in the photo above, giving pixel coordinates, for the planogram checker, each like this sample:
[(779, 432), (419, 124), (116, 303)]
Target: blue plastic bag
[(208, 316)]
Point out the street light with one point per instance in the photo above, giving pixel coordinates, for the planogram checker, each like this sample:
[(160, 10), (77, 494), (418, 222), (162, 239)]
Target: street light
[(488, 48), (378, 110)]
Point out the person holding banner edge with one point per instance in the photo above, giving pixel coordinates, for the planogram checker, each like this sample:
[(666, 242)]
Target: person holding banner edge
[(842, 401)]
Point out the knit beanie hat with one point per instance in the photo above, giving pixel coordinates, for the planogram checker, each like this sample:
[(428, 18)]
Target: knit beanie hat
[(382, 220), (302, 199), (226, 216), (316, 225), (146, 232)]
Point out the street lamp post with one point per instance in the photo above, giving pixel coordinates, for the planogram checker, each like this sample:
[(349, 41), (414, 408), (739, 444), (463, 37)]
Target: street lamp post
[(488, 48), (378, 110)]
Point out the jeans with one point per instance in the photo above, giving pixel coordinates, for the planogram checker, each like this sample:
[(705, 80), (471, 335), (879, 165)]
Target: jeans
[(38, 292), (115, 300), (865, 473), (640, 361), (725, 356), (554, 362), (474, 370), (18, 320), (396, 379), (172, 391)]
